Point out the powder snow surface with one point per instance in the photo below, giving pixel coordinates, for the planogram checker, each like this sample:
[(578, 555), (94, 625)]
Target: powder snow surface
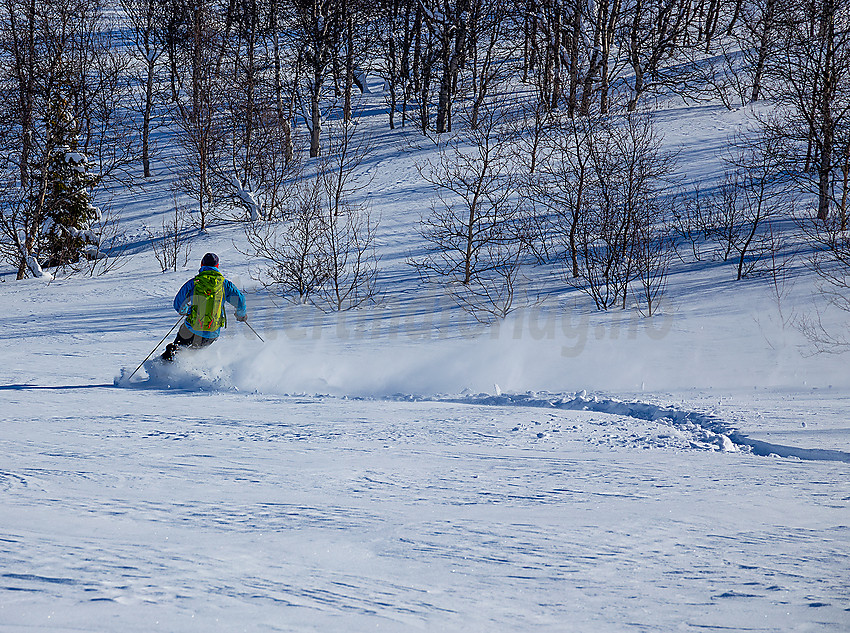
[(157, 510), (403, 468)]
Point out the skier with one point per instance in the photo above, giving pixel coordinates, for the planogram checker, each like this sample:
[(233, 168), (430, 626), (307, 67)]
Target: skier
[(202, 299)]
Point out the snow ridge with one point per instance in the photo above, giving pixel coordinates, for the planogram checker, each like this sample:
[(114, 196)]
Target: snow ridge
[(766, 449), (710, 432)]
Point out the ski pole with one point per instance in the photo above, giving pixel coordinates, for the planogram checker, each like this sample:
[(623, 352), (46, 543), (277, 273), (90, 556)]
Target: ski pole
[(254, 331), (157, 347)]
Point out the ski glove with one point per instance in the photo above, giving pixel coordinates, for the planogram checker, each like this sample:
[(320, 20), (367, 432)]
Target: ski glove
[(244, 317)]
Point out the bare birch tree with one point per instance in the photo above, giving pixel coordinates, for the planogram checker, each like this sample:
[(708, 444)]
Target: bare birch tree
[(477, 230)]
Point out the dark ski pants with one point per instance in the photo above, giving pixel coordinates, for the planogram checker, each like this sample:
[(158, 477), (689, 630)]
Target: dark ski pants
[(185, 338)]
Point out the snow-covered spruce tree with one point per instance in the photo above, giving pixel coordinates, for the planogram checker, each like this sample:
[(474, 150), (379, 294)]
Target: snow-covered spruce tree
[(67, 186), (43, 46)]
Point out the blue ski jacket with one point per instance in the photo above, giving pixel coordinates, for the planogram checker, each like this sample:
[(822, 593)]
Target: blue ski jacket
[(232, 295)]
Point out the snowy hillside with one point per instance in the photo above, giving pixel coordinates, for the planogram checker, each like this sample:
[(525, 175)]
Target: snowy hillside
[(402, 467)]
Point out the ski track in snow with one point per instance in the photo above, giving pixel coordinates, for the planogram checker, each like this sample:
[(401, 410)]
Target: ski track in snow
[(672, 426)]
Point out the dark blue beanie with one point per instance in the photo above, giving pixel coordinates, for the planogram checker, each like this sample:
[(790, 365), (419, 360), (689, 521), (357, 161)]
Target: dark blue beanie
[(210, 259)]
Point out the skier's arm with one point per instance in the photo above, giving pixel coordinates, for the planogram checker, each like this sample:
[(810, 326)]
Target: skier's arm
[(234, 297), (184, 297)]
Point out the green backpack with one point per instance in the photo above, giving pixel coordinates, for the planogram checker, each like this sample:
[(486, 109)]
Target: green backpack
[(206, 314)]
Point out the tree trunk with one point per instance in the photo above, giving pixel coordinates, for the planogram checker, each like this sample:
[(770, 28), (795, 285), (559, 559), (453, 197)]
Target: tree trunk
[(315, 118), (638, 89), (26, 80), (393, 80), (611, 17), (282, 115), (251, 81), (827, 123), (555, 54), (146, 120), (424, 90), (449, 63), (405, 64), (574, 226), (735, 15), (417, 50), (574, 63), (845, 177), (349, 63), (764, 47)]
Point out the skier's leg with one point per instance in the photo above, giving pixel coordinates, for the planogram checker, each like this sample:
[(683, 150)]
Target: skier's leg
[(201, 341), (184, 338), (168, 354)]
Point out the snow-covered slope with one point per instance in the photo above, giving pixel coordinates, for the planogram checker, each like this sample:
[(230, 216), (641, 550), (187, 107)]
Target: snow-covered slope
[(402, 468)]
